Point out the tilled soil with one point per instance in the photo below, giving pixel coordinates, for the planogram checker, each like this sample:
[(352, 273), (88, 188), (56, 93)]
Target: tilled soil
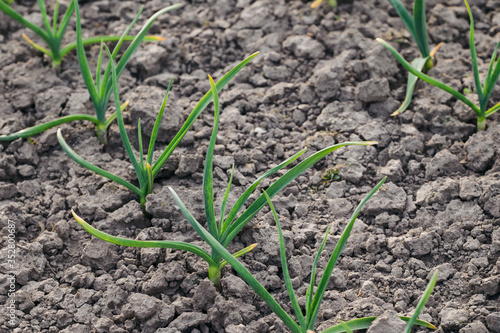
[(320, 79)]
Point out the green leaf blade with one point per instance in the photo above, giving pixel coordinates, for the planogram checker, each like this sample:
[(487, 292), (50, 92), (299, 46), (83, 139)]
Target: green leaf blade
[(208, 186), (406, 17), (420, 24), (284, 265), (428, 79), (422, 302), (318, 297), (37, 129), (78, 159), (84, 67), (238, 267), (121, 125), (202, 104), (279, 184), (418, 64), (137, 243), (364, 323)]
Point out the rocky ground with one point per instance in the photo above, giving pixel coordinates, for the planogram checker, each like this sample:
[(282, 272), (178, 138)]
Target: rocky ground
[(321, 78)]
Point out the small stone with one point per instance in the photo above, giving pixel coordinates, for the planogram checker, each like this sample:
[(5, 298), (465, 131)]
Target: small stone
[(453, 318), (445, 272), (476, 327), (50, 241), (140, 306), (393, 170), (389, 321), (102, 325), (7, 191), (493, 322), (99, 254), (204, 295), (189, 320), (442, 164), (469, 189), (373, 90), (480, 152), (389, 198), (149, 256), (352, 172), (304, 47), (188, 164), (26, 154)]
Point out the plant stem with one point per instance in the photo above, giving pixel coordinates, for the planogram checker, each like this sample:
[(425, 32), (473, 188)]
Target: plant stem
[(214, 274), (481, 123), (101, 130)]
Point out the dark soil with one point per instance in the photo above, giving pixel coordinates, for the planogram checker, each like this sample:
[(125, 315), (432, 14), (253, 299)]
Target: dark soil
[(321, 78)]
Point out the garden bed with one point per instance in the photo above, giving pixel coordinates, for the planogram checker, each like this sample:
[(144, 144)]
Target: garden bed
[(320, 79)]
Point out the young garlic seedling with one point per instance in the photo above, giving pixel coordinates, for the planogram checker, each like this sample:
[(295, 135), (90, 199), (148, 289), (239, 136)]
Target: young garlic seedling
[(417, 28), (53, 35), (483, 91), (306, 322), (146, 170), (228, 226), (100, 91)]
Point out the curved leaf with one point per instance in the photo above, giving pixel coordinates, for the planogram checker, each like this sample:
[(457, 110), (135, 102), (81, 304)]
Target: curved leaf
[(137, 243), (78, 159)]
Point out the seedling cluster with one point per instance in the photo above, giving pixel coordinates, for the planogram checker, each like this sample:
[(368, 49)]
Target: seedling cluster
[(222, 227)]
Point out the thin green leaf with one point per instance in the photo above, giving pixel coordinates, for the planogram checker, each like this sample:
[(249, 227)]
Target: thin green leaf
[(310, 289), (318, 297), (30, 131), (195, 113), (156, 126), (244, 197), (105, 89), (137, 243), (489, 112), (64, 23), (149, 172), (428, 79), (346, 327), (492, 79), (279, 184), (121, 124), (284, 265), (84, 67), (238, 267), (473, 55), (94, 168), (114, 38), (125, 33), (422, 302), (490, 68), (141, 153), (420, 24), (364, 323), (55, 18), (43, 11), (239, 254), (140, 36), (98, 68), (224, 201), (208, 186), (418, 64), (37, 47), (405, 17)]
